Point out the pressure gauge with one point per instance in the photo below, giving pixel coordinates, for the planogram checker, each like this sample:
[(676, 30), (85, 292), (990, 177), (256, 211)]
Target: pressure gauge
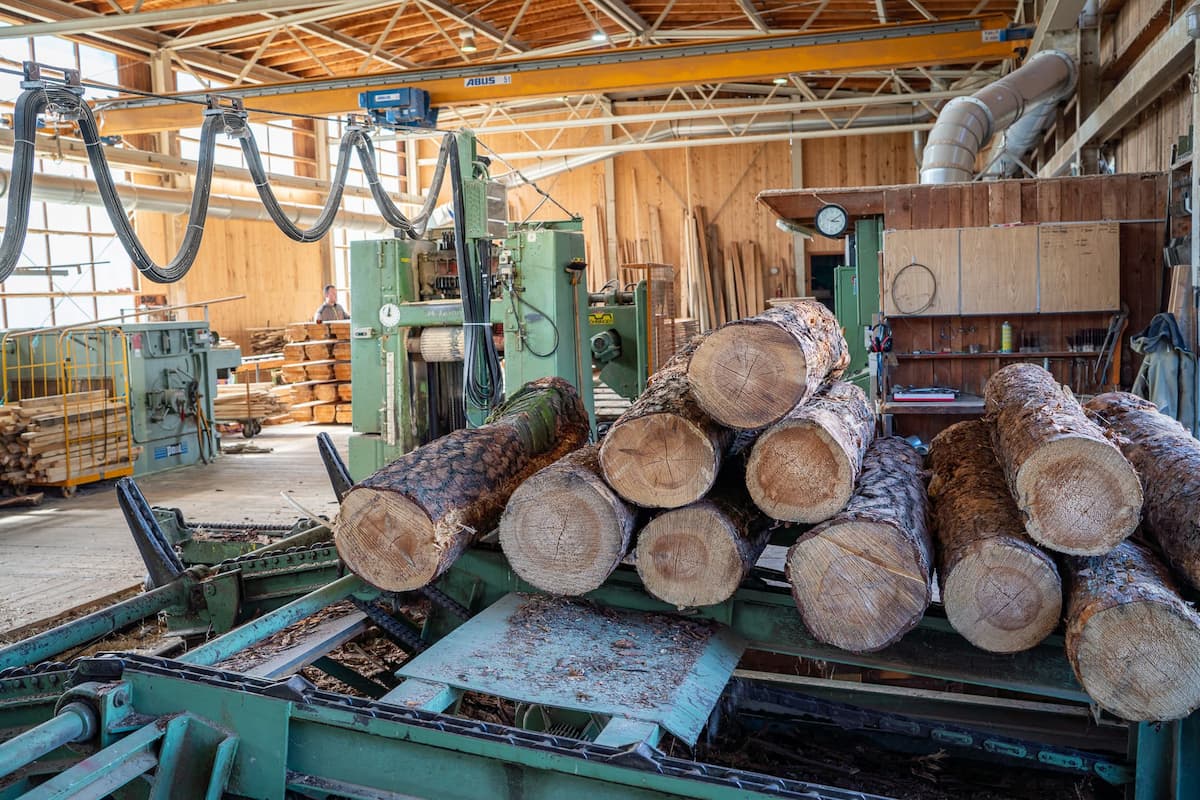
[(832, 220), (389, 315)]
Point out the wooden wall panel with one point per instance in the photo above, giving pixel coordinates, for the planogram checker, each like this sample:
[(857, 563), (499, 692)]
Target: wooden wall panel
[(1080, 267), (904, 290), (999, 270), (1145, 144)]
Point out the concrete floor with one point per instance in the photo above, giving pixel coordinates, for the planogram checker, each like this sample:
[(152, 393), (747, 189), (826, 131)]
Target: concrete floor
[(69, 551)]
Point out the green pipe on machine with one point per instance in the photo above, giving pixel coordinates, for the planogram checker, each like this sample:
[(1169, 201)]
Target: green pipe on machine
[(94, 626), (251, 633), (76, 722)]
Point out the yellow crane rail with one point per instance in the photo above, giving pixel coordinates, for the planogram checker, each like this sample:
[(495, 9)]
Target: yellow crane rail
[(961, 41)]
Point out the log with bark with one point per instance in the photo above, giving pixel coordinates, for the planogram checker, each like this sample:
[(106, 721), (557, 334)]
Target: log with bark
[(1133, 642), (751, 372), (804, 467), (698, 555), (564, 530), (864, 578), (405, 525), (1001, 592), (664, 451), (1077, 492), (1168, 460)]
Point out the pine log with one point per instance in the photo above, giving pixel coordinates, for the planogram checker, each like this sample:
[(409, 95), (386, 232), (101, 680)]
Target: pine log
[(751, 372), (1001, 592), (564, 530), (664, 451), (804, 467), (699, 555), (405, 525), (1132, 640), (864, 578), (1168, 460), (1077, 492)]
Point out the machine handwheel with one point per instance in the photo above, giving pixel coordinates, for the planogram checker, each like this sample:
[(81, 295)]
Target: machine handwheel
[(251, 428)]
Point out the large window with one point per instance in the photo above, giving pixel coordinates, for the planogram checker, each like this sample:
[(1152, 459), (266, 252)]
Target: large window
[(72, 268)]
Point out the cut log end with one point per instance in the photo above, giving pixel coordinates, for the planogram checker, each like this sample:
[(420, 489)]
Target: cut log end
[(664, 461), (1003, 597), (1136, 676), (747, 376), (562, 535), (1080, 496), (858, 586), (387, 540), (689, 557), (800, 454)]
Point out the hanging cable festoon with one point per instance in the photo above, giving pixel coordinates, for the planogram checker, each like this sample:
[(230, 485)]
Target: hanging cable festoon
[(67, 101)]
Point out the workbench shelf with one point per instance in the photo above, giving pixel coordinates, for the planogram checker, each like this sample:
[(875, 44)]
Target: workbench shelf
[(1026, 355)]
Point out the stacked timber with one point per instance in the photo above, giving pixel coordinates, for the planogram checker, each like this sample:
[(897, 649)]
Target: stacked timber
[(864, 578), (1077, 492), (63, 437), (406, 524), (266, 340), (1167, 458), (1001, 591), (317, 364), (247, 401), (1133, 642)]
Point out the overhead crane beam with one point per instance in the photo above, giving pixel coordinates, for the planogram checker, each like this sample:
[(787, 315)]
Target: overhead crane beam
[(878, 47)]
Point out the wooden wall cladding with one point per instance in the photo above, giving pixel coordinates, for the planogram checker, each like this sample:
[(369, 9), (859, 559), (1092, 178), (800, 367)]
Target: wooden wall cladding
[(1079, 267), (908, 289), (999, 270)]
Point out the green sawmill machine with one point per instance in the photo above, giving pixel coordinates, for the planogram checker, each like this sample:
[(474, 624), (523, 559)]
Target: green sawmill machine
[(415, 373)]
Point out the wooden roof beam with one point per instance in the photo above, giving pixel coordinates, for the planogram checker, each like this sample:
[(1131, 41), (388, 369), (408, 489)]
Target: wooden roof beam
[(747, 7), (468, 18)]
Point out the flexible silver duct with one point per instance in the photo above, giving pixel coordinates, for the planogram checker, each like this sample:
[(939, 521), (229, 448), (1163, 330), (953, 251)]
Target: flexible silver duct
[(967, 124)]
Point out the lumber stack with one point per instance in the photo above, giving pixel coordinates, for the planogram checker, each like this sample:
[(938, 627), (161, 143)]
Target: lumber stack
[(247, 401), (63, 437), (317, 366), (266, 340)]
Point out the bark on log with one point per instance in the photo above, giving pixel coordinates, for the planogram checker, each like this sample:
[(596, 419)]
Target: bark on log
[(664, 452), (699, 555), (1168, 460), (804, 467), (1077, 492), (1001, 592), (751, 372), (564, 530), (864, 578), (405, 525), (1133, 642)]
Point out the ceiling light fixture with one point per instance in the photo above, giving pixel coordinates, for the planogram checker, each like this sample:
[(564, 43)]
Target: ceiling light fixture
[(599, 36), (780, 81), (468, 43)]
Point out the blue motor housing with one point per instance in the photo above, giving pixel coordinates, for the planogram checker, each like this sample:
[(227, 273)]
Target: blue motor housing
[(403, 107)]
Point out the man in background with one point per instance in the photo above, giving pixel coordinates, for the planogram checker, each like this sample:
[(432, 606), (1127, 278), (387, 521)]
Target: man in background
[(330, 309)]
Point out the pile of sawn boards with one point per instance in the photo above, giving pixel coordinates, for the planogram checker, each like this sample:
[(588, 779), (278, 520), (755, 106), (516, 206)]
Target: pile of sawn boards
[(750, 429), (46, 440), (317, 365)]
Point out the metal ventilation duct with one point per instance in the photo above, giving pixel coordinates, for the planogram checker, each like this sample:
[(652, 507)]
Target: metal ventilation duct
[(1026, 96)]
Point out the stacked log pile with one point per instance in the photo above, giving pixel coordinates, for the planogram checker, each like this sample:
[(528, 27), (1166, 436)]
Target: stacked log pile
[(266, 340), (48, 440), (317, 366), (749, 430)]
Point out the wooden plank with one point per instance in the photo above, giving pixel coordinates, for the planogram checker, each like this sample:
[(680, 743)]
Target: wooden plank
[(904, 292), (1080, 267), (706, 275), (999, 270)]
